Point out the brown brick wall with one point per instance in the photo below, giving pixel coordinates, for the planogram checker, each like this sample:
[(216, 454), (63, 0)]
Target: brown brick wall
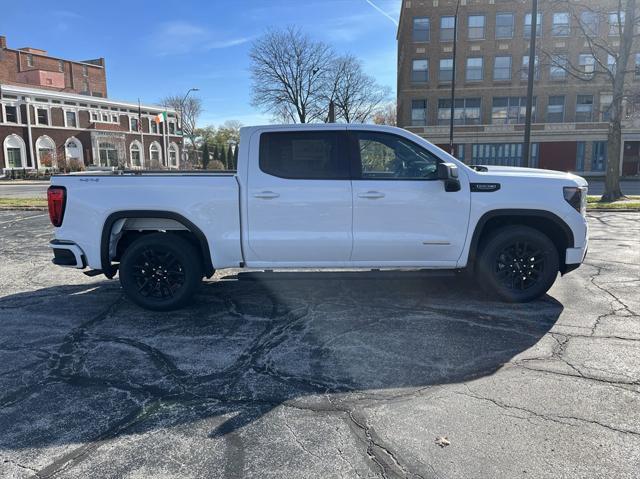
[(12, 62)]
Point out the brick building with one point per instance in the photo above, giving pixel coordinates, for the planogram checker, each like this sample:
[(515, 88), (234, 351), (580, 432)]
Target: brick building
[(570, 119), (54, 114)]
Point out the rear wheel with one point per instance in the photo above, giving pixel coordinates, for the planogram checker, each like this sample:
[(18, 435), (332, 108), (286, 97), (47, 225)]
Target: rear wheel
[(160, 271), (518, 263)]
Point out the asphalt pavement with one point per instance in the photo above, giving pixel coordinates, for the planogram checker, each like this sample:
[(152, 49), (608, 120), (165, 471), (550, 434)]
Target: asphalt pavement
[(327, 375)]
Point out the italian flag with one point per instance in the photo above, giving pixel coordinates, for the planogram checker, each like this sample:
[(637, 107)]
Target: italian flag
[(161, 117)]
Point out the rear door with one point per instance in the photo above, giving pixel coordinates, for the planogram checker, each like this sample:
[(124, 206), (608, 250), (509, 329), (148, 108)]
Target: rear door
[(402, 215), (299, 199)]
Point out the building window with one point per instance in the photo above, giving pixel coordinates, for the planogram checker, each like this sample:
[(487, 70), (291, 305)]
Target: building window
[(527, 25), (637, 65), (29, 60), (503, 154), (421, 29), (511, 110), (14, 152), (42, 115), (420, 71), (502, 68), (580, 151), (555, 109), (587, 64), (598, 156), (154, 127), (474, 69), (446, 70), (611, 63), (172, 128), (584, 108), (85, 87), (466, 111), (135, 154), (616, 22), (60, 66), (155, 155), (108, 154), (606, 99), (85, 71), (46, 150), (419, 112), (173, 155), (476, 27), (558, 68), (560, 26), (11, 114), (446, 28), (133, 124), (504, 25), (524, 73), (71, 119), (105, 117), (94, 116), (589, 23)]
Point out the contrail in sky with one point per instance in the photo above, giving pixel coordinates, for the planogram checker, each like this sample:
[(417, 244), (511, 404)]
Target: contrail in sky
[(395, 22)]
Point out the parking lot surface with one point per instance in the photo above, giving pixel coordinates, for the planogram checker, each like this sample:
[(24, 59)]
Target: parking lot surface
[(277, 375)]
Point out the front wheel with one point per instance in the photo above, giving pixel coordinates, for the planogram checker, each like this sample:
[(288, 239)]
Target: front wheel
[(160, 271), (518, 263)]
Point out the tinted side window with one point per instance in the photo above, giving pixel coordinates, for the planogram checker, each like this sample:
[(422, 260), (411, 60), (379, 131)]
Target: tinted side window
[(312, 155), (387, 156)]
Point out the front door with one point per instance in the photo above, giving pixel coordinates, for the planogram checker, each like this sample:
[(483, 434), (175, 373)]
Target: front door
[(402, 215), (299, 200)]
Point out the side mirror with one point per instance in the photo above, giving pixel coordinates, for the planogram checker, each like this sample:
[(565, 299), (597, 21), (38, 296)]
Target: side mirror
[(448, 172)]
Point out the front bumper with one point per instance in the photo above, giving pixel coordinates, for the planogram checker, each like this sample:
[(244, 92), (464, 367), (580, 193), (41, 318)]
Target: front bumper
[(68, 254)]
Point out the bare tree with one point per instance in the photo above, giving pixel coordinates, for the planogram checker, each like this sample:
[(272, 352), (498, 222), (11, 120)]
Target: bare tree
[(386, 115), (611, 33), (288, 70), (355, 94), (189, 111)]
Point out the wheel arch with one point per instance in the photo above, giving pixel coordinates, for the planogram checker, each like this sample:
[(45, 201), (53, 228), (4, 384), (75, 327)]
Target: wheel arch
[(110, 270), (546, 222)]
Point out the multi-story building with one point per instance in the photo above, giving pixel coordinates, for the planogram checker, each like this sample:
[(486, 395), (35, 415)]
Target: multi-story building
[(571, 101), (54, 115)]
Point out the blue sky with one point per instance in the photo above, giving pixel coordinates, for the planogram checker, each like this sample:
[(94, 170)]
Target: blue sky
[(157, 48)]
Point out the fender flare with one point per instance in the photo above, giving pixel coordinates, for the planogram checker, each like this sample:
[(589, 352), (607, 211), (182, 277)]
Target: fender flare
[(110, 271), (489, 215)]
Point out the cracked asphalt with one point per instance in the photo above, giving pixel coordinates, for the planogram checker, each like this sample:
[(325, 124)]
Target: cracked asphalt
[(328, 375)]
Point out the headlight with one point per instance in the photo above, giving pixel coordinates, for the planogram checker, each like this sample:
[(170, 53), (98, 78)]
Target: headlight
[(576, 196)]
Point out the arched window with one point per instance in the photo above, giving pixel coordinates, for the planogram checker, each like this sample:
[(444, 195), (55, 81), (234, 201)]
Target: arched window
[(135, 154), (107, 153), (155, 155), (46, 149), (173, 155), (14, 152), (73, 150)]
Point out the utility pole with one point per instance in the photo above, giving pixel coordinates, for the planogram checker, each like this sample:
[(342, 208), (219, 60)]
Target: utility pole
[(453, 78), (526, 147), (181, 125), (332, 112)]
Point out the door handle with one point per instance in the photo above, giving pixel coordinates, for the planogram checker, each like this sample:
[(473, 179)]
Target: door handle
[(266, 195), (371, 195)]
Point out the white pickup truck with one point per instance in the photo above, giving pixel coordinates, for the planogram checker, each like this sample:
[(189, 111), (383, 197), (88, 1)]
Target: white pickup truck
[(322, 196)]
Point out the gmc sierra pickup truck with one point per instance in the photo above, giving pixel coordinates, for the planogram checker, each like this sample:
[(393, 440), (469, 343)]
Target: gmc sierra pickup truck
[(322, 196)]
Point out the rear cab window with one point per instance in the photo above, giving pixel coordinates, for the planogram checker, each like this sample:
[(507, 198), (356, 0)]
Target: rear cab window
[(305, 155)]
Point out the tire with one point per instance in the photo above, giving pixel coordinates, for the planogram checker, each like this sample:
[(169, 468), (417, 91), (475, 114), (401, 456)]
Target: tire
[(518, 264), (161, 271)]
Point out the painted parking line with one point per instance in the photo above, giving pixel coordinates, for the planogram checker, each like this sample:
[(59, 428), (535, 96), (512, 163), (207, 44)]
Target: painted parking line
[(20, 219)]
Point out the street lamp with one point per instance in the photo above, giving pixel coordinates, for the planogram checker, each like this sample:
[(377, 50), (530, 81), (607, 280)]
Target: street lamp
[(526, 147), (453, 77)]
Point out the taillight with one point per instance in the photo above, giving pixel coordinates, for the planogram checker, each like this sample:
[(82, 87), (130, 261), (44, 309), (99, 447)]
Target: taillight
[(57, 199)]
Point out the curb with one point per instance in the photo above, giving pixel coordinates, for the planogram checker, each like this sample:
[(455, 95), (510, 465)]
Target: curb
[(23, 208)]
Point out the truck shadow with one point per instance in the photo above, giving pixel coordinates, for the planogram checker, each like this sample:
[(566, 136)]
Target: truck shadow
[(80, 362)]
